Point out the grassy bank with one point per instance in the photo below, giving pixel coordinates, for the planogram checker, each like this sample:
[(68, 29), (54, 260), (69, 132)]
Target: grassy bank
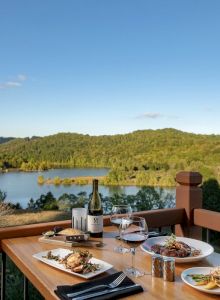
[(118, 178), (81, 180), (23, 217)]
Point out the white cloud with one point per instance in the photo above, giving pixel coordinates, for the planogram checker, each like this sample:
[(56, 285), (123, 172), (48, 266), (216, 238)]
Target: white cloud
[(22, 77), (150, 115), (16, 82), (155, 115), (12, 84)]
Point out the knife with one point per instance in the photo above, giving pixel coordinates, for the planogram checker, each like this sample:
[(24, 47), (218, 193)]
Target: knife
[(106, 291), (150, 234), (77, 241), (95, 244), (155, 234)]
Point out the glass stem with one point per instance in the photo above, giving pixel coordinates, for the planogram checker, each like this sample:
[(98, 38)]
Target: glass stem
[(133, 251), (119, 231)]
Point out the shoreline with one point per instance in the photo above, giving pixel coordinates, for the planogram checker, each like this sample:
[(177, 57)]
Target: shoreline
[(15, 170), (87, 180), (104, 180)]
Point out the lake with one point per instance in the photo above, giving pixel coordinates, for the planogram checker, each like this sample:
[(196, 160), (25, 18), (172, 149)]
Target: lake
[(22, 186)]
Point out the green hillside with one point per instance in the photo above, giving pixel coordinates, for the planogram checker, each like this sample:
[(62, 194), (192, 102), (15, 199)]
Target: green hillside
[(141, 157)]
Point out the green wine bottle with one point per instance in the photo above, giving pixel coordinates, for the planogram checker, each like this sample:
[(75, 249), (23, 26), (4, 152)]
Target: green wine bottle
[(95, 213)]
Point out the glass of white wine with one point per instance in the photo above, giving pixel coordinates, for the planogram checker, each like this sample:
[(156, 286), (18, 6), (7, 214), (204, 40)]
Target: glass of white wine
[(118, 212), (134, 231)]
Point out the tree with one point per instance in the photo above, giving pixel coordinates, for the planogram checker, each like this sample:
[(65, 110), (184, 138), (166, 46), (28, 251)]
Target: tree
[(211, 195), (46, 202), (67, 201), (31, 204), (57, 180), (3, 196), (40, 179), (211, 201), (146, 198)]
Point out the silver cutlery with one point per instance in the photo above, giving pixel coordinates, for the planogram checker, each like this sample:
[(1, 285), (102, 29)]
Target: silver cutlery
[(106, 291), (89, 243), (111, 285)]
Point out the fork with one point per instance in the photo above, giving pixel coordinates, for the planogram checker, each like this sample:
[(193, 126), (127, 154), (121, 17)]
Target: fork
[(111, 285)]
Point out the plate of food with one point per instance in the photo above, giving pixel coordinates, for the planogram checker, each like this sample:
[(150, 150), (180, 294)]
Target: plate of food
[(76, 262), (204, 279), (182, 249)]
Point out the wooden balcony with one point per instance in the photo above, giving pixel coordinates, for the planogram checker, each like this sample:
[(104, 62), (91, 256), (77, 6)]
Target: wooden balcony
[(186, 219)]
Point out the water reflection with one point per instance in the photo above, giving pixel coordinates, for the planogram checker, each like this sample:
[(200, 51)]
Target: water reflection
[(22, 186)]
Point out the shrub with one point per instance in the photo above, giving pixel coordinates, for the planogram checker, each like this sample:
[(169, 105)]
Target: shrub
[(5, 209), (211, 201), (3, 196), (211, 195)]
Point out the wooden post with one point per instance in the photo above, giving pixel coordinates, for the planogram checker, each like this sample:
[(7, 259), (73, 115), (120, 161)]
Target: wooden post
[(189, 197)]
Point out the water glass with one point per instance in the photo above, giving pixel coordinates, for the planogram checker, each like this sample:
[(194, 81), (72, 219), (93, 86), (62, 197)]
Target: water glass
[(118, 212), (79, 218)]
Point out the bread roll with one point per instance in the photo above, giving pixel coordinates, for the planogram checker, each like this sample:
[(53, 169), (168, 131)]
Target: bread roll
[(70, 231)]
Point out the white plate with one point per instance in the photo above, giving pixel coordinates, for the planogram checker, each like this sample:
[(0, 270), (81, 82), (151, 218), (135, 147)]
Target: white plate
[(205, 248), (104, 266), (199, 270)]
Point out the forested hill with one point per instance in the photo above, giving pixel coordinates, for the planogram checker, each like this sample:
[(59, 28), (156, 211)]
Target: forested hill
[(163, 151)]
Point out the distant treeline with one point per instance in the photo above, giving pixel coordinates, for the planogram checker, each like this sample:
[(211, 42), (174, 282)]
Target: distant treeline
[(146, 157), (146, 198)]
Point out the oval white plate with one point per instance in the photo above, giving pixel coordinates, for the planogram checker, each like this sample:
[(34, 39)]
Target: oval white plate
[(104, 266), (198, 270), (205, 248)]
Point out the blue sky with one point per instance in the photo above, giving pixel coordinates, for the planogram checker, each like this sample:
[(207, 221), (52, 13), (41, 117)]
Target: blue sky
[(109, 66)]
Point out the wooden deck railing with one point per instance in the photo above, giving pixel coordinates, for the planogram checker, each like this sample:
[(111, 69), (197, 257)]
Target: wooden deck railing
[(207, 219), (188, 217), (189, 196), (155, 219)]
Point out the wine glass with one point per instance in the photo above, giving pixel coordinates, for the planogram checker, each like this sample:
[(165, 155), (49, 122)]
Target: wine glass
[(118, 212), (134, 231)]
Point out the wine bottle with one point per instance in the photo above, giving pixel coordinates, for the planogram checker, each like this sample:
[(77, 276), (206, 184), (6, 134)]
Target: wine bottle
[(95, 213)]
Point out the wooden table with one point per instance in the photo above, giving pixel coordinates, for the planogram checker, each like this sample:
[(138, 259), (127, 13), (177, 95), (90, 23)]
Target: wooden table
[(46, 278)]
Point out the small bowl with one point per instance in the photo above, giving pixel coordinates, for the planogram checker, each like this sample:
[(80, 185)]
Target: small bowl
[(49, 233)]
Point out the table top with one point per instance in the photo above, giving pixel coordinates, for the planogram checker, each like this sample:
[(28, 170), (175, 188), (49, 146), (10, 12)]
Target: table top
[(46, 278)]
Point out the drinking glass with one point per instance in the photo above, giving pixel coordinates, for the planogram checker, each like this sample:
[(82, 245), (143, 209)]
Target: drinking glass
[(118, 212), (134, 231), (79, 218)]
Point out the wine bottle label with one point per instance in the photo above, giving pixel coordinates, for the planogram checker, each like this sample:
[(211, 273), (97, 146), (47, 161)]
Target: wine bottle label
[(95, 224)]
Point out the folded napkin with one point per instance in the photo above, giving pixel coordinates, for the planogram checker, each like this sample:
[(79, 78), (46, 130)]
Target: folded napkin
[(128, 284)]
